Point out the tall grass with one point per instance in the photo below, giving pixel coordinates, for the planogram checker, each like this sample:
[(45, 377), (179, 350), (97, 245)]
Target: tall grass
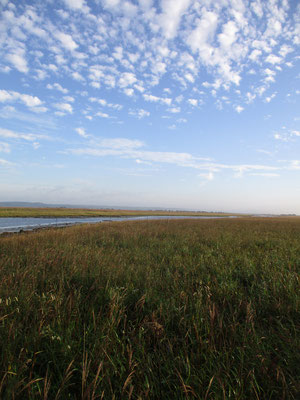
[(152, 310)]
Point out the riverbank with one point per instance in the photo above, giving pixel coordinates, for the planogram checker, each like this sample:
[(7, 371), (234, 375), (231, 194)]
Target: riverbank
[(152, 309)]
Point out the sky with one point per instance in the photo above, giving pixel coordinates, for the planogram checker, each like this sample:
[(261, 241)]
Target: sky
[(186, 104)]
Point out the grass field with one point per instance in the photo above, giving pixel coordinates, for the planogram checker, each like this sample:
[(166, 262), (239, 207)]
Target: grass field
[(152, 310), (78, 212)]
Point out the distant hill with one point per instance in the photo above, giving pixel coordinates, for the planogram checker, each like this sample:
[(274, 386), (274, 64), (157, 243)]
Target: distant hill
[(25, 204), (46, 205)]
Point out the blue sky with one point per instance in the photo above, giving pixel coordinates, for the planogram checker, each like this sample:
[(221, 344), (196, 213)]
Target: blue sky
[(171, 103)]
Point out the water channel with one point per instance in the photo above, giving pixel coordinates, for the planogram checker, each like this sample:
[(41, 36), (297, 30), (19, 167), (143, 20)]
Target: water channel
[(16, 224)]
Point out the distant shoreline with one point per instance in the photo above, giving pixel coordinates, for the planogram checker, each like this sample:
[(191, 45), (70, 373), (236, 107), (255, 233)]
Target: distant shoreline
[(54, 212)]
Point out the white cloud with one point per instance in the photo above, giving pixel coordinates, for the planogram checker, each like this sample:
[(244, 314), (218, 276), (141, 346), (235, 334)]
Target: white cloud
[(283, 137), (193, 102), (134, 149), (79, 56), (4, 147), (31, 137), (57, 86), (111, 3), (69, 99), (179, 98), (208, 35), (11, 96), (174, 110), (140, 88), (285, 49), (39, 110), (60, 60), (121, 143), (209, 176), (228, 35), (269, 153), (286, 135), (81, 132), (74, 4), (239, 109), (5, 163), (155, 99), (255, 55), (41, 74), (29, 101), (159, 68), (270, 75), (133, 57), (104, 103), (5, 96), (101, 114), (29, 119), (52, 67), (17, 59), (139, 113), (36, 145), (189, 77), (76, 75), (129, 9), (131, 149), (126, 79), (118, 53), (294, 165), (143, 162), (172, 12), (5, 69), (129, 92), (269, 98), (273, 59), (199, 39), (265, 174), (257, 8), (64, 107), (260, 90), (145, 4), (66, 41), (95, 85), (250, 97)]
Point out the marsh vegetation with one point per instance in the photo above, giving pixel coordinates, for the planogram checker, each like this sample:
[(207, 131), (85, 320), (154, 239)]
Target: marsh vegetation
[(152, 310), (84, 212)]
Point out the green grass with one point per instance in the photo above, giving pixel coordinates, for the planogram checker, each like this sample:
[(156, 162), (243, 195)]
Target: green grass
[(152, 310), (83, 212)]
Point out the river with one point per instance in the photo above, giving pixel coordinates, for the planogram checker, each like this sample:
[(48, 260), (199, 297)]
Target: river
[(16, 224)]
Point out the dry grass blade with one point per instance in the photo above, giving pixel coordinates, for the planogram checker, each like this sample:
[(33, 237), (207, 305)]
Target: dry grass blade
[(128, 380), (208, 388), (94, 383), (186, 388), (67, 376)]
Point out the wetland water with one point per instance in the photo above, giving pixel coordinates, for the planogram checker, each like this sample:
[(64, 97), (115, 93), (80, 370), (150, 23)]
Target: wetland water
[(16, 224)]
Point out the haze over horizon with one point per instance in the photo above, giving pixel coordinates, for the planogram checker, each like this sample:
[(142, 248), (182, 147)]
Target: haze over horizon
[(143, 103)]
